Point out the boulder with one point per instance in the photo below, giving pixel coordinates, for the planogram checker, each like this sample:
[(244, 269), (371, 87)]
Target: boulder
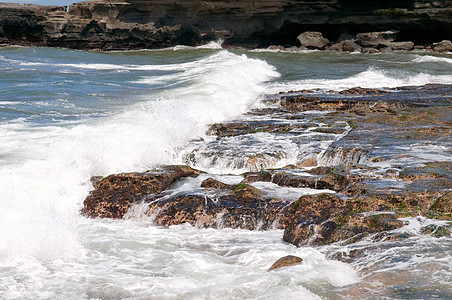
[(375, 39), (405, 46), (312, 39), (348, 45), (443, 46), (286, 261)]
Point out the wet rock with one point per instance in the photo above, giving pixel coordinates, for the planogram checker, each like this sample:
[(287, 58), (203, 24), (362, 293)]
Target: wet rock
[(443, 46), (326, 219), (310, 219), (431, 170), (286, 261), (241, 128), (442, 207), (312, 39), (362, 91), (115, 194), (303, 103), (437, 230), (242, 208), (250, 177), (376, 39), (331, 181), (211, 183), (310, 161), (339, 156)]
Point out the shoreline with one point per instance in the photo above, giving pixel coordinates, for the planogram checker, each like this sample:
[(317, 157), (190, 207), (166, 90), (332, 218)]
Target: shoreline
[(132, 25), (368, 188)]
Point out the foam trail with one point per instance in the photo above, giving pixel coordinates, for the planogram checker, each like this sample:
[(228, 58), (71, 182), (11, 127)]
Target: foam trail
[(49, 168), (432, 59), (371, 78)]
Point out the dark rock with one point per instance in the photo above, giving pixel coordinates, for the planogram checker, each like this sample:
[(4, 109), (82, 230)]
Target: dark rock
[(240, 128), (325, 219), (385, 49), (405, 46), (442, 207), (332, 181), (312, 39), (286, 261), (310, 219), (375, 39), (250, 177), (115, 194), (443, 46), (346, 37), (361, 91), (437, 230)]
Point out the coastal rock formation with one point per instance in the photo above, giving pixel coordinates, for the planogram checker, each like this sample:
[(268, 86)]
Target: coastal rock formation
[(136, 24), (378, 178)]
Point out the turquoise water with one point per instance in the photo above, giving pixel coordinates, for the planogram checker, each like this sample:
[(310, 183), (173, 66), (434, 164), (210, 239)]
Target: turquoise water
[(68, 115)]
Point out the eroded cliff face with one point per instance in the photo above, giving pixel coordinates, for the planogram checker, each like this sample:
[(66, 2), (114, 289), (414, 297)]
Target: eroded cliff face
[(158, 23)]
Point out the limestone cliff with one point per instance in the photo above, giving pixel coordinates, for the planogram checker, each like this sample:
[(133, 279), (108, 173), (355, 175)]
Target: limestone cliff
[(133, 24)]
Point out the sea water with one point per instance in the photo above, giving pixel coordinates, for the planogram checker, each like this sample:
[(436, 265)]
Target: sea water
[(68, 115)]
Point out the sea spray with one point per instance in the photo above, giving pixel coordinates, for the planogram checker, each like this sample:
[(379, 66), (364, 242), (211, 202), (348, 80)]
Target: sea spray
[(42, 193)]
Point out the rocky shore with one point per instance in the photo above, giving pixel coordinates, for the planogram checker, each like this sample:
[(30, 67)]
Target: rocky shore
[(135, 24), (390, 159)]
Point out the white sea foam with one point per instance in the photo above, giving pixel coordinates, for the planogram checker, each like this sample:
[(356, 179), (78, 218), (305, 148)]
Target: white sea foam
[(371, 78), (181, 262), (429, 58), (42, 194)]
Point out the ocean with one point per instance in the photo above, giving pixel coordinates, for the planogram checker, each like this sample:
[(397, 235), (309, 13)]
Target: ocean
[(68, 115)]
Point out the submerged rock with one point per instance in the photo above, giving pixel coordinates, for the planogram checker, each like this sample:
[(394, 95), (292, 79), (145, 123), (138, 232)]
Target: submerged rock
[(243, 207), (286, 261), (115, 194)]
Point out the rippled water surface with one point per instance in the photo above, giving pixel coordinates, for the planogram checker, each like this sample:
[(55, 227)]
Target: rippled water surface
[(68, 115)]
